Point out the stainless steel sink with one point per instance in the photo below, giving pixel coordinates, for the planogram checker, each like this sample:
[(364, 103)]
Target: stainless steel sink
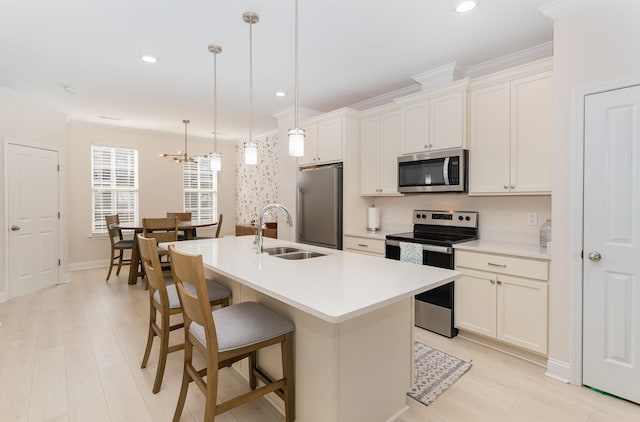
[(279, 250), (300, 255)]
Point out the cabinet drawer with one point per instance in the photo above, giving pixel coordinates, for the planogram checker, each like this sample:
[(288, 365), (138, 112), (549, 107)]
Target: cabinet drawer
[(503, 264), (365, 245)]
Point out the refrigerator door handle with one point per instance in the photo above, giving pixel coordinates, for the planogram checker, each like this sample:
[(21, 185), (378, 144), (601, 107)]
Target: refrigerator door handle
[(300, 214)]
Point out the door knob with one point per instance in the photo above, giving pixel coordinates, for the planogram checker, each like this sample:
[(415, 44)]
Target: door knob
[(15, 228), (594, 256)]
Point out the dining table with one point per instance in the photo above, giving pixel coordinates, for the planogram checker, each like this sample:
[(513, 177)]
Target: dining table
[(136, 270)]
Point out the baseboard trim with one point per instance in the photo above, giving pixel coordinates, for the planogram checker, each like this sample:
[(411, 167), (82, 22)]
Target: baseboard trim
[(558, 370), (86, 265), (399, 413)]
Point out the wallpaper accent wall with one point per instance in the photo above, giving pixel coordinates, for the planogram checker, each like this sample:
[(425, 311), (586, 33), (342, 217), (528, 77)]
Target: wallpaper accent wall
[(257, 184)]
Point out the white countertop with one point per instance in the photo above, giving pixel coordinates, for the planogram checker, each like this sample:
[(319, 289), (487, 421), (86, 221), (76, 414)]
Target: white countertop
[(335, 288), (505, 248)]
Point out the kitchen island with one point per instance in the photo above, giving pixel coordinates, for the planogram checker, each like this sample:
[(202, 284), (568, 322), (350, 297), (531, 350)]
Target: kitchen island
[(353, 318)]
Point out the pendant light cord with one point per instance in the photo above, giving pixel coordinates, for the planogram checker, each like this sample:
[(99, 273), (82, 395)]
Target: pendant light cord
[(296, 67), (215, 102), (250, 80)]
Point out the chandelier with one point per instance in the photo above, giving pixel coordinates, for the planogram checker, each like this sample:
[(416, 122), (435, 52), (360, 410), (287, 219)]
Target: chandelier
[(183, 156)]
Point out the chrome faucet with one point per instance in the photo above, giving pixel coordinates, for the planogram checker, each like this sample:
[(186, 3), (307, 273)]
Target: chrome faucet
[(258, 240)]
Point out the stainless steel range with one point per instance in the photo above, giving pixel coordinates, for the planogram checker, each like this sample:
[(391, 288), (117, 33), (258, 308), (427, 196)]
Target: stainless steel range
[(437, 232)]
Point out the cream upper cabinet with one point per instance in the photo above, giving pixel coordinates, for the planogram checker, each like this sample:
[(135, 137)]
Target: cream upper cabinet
[(503, 297), (435, 119), (323, 142), (510, 124), (379, 150)]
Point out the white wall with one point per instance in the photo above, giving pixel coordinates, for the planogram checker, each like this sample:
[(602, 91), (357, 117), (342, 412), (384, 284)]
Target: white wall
[(22, 119), (500, 218), (160, 181), (594, 45)]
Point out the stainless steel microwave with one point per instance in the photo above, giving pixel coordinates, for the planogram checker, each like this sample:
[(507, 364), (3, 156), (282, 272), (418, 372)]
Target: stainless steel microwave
[(433, 171)]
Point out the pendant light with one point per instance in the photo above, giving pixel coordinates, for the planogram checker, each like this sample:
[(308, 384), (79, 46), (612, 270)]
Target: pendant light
[(215, 157), (296, 135), (250, 147), (183, 156)]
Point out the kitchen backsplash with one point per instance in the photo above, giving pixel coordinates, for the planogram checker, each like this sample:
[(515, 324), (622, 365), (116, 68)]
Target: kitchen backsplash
[(500, 218), (257, 184)]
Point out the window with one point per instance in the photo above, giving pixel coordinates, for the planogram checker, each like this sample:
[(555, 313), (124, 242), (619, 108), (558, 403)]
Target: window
[(200, 185), (114, 184)]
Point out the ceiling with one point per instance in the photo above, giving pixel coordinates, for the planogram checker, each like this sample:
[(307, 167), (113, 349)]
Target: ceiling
[(349, 51)]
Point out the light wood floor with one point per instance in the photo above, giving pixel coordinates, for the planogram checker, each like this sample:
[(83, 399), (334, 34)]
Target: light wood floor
[(72, 353)]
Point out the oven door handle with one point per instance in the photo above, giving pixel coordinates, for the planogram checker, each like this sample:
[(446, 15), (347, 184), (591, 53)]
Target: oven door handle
[(431, 248)]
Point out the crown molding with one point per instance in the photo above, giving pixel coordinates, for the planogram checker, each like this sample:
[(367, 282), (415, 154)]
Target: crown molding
[(385, 98), (307, 112), (564, 7), (439, 76), (510, 60)]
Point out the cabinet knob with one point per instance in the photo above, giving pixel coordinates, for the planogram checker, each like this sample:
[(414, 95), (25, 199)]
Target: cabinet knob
[(512, 186), (499, 283), (506, 187), (492, 281)]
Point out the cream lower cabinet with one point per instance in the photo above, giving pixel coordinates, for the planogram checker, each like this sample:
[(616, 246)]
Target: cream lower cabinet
[(503, 297), (364, 245)]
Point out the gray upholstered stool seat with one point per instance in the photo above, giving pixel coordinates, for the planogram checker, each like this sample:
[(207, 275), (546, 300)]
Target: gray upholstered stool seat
[(216, 292), (242, 325)]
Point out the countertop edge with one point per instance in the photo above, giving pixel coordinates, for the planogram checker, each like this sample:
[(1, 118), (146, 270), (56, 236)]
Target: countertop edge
[(523, 250)]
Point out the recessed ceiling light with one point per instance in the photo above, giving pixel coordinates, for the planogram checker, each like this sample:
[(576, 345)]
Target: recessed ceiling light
[(69, 89), (281, 94), (464, 6), (148, 59)]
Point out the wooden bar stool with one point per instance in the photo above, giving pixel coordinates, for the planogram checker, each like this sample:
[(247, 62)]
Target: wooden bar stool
[(163, 300), (225, 336)]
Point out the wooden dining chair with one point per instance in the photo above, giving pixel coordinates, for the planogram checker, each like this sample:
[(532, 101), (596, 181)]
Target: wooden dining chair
[(163, 300), (182, 216), (218, 228), (161, 229), (226, 336), (118, 244)]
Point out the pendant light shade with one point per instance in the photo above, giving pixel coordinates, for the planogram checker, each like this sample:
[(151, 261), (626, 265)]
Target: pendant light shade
[(250, 153), (250, 147), (215, 159), (296, 135), (296, 142)]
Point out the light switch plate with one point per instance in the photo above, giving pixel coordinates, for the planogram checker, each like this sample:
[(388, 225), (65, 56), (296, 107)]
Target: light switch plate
[(532, 219)]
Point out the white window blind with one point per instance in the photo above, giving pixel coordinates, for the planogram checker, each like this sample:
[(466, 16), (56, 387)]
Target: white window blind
[(200, 186), (114, 184)]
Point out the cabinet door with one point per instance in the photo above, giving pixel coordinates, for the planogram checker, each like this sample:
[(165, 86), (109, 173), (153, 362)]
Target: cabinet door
[(390, 149), (330, 139), (310, 145), (415, 128), (447, 121), (369, 152), (531, 121), (489, 134), (522, 313), (475, 302)]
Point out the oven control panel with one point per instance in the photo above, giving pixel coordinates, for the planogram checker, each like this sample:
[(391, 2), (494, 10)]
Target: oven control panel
[(446, 218)]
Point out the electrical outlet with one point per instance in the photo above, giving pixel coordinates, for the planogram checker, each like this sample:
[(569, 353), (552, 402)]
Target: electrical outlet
[(532, 219)]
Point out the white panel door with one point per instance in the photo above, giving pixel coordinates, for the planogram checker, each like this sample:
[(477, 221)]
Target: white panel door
[(32, 181), (611, 322), (369, 145), (390, 149)]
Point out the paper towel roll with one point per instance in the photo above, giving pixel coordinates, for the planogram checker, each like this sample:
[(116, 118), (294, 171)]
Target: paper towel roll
[(373, 222)]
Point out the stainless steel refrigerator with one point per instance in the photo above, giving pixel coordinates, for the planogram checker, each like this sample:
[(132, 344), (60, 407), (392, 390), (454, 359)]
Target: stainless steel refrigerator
[(320, 206)]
